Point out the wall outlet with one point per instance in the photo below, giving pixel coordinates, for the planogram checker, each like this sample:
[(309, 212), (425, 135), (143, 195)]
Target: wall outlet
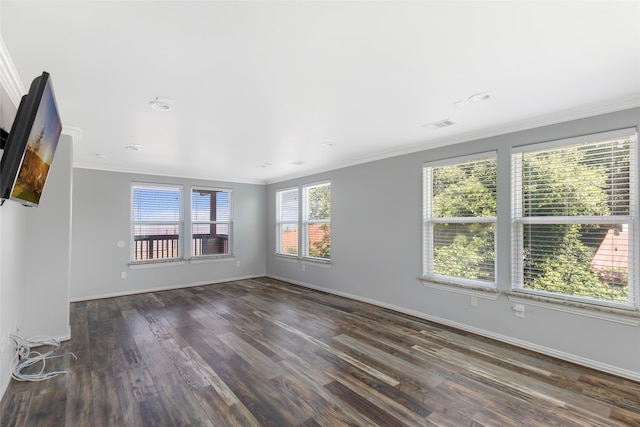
[(304, 267), (237, 263), (123, 275), (474, 301), (518, 309)]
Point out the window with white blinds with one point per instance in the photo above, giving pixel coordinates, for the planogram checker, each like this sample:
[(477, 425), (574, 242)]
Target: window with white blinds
[(287, 216), (575, 213), (316, 221), (459, 220), (156, 222), (211, 222)]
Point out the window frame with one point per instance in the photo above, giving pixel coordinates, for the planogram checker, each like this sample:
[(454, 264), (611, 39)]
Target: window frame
[(229, 223), (518, 221), (179, 223), (305, 222), (280, 222), (429, 221)]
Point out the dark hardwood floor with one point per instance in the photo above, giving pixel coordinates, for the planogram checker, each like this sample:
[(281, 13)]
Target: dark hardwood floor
[(266, 353)]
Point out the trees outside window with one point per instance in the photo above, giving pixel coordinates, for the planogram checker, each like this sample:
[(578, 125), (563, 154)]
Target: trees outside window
[(316, 240), (304, 229), (459, 217), (574, 209)]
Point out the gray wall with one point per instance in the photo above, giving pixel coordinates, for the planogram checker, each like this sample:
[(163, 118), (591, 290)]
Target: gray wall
[(376, 252), (101, 218)]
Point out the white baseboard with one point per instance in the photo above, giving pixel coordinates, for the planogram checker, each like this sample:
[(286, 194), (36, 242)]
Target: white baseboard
[(161, 288), (632, 375)]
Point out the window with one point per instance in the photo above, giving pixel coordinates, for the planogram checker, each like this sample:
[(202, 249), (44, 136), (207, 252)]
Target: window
[(316, 221), (211, 222), (574, 208), (287, 221), (156, 222), (459, 220)]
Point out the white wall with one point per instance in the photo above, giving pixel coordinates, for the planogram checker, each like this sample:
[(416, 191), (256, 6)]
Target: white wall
[(47, 258), (376, 252), (12, 231), (35, 257), (13, 227), (101, 218)]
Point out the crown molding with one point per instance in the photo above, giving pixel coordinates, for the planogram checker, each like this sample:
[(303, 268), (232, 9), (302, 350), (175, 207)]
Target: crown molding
[(74, 132), (9, 76)]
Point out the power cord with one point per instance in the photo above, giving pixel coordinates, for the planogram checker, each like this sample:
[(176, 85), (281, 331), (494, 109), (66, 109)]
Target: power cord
[(25, 357)]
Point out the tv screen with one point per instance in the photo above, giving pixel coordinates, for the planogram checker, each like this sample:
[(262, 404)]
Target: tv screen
[(31, 144)]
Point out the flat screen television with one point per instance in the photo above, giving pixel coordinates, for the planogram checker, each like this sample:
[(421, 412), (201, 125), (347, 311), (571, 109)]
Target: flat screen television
[(31, 144)]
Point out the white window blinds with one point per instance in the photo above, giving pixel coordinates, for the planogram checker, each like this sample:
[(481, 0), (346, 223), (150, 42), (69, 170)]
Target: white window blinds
[(459, 220), (574, 210), (156, 216)]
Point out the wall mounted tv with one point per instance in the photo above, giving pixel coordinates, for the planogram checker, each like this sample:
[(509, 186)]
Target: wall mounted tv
[(31, 144)]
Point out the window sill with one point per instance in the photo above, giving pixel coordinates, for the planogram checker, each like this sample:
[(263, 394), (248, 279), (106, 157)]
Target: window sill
[(206, 259), (611, 314), (458, 288), (158, 263), (316, 261), (285, 257), (304, 260)]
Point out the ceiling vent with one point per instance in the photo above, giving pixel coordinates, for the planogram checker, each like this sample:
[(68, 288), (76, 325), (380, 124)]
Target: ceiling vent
[(440, 124)]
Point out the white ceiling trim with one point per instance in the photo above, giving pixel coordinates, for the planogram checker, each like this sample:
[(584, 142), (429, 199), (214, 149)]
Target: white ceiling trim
[(9, 77), (80, 165), (623, 104)]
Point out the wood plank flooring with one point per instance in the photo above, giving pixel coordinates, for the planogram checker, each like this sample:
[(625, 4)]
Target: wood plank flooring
[(267, 353)]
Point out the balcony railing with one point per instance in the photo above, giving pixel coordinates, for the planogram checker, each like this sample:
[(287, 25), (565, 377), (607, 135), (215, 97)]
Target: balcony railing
[(166, 246)]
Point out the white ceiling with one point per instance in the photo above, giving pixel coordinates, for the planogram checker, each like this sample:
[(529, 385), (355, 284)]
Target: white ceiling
[(259, 87)]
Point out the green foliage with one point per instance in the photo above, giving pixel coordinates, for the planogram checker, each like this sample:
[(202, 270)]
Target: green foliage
[(320, 202), (578, 190), (464, 190), (567, 271), (319, 208), (469, 250), (322, 248), (573, 182)]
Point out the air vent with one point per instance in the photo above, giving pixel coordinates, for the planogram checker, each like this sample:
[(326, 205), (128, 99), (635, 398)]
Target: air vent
[(440, 124)]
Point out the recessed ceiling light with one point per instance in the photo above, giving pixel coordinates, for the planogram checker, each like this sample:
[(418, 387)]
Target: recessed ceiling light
[(263, 165), (327, 144), (459, 104), (161, 104), (297, 163), (133, 147), (100, 156), (479, 97)]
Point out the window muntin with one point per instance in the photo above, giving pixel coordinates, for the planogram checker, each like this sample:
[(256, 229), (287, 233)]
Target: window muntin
[(211, 222), (156, 222), (574, 218), (316, 221), (459, 220), (287, 217)]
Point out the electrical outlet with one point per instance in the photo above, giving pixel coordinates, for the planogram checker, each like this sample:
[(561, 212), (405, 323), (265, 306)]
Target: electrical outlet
[(519, 310), (237, 263), (474, 301), (304, 267), (123, 275)]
